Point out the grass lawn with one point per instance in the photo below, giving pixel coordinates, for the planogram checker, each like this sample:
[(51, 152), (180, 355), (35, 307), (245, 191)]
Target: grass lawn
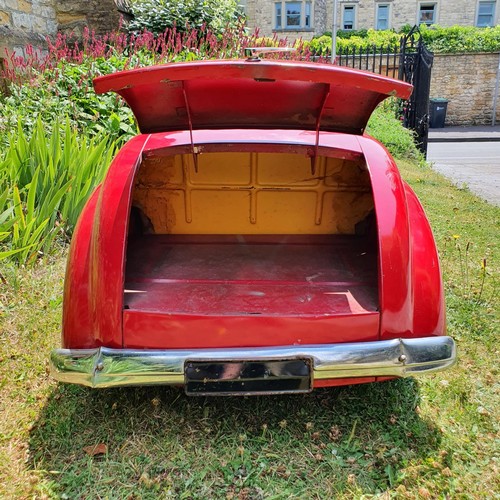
[(434, 437)]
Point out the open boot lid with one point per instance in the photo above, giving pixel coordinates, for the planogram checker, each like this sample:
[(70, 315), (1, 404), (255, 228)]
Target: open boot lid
[(245, 94)]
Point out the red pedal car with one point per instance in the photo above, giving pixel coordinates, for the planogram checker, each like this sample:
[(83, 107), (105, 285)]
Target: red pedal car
[(251, 239)]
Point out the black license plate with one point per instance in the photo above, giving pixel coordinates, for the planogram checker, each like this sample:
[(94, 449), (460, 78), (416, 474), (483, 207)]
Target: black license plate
[(243, 377)]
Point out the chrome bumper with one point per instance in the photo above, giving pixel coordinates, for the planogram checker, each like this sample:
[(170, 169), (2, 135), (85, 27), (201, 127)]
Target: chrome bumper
[(104, 367)]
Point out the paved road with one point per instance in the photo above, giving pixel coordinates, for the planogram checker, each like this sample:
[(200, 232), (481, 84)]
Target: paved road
[(476, 164)]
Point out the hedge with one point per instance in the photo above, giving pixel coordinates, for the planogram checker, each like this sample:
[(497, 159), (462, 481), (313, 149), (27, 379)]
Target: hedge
[(438, 39)]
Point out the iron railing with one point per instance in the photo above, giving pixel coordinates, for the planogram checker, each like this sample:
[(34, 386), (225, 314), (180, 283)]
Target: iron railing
[(383, 60)]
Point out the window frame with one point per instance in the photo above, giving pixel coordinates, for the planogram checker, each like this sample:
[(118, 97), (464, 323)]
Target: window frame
[(434, 6), (351, 7), (377, 20), (493, 13), (305, 20)]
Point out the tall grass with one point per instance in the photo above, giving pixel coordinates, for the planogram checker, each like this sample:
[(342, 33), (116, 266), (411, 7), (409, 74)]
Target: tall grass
[(45, 180), (388, 129)]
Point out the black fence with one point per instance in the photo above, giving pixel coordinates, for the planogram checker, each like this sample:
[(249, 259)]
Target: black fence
[(409, 61), (384, 60)]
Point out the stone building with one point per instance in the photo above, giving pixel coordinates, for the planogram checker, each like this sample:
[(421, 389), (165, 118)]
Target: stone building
[(307, 18), (25, 22)]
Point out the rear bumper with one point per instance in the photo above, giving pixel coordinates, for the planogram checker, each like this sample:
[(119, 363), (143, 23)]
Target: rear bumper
[(104, 367)]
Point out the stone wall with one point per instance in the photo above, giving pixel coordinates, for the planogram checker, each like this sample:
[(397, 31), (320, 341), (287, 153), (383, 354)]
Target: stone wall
[(468, 81), (25, 22), (320, 16), (100, 16), (401, 12)]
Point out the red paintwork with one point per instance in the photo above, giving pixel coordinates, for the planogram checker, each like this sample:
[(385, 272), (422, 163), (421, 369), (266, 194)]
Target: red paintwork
[(259, 94), (294, 293), (410, 292), (179, 331), (406, 309), (77, 323), (410, 287)]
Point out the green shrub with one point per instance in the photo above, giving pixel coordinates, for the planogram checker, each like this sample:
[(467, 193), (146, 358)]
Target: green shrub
[(362, 39), (348, 33), (60, 83), (158, 15), (457, 39), (386, 128), (66, 90), (438, 39)]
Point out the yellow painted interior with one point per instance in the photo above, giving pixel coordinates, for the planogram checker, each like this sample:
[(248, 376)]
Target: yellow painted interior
[(252, 193)]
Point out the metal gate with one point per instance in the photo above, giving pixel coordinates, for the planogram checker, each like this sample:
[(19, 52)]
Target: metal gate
[(415, 65), (409, 61)]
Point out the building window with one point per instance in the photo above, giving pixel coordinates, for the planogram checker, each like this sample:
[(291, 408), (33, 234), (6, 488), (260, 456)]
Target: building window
[(485, 14), (382, 21), (292, 19), (348, 17), (427, 13), (307, 18), (277, 16), (292, 15)]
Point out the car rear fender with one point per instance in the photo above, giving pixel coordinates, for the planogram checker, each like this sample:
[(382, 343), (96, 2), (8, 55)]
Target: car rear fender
[(94, 283), (410, 286), (429, 316), (395, 258), (77, 327), (108, 245)]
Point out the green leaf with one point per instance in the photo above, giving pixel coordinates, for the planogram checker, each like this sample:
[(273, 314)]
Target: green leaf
[(9, 253), (18, 208), (30, 205)]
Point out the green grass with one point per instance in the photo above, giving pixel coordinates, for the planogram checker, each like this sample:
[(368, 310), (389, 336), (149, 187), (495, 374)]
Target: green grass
[(437, 437)]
